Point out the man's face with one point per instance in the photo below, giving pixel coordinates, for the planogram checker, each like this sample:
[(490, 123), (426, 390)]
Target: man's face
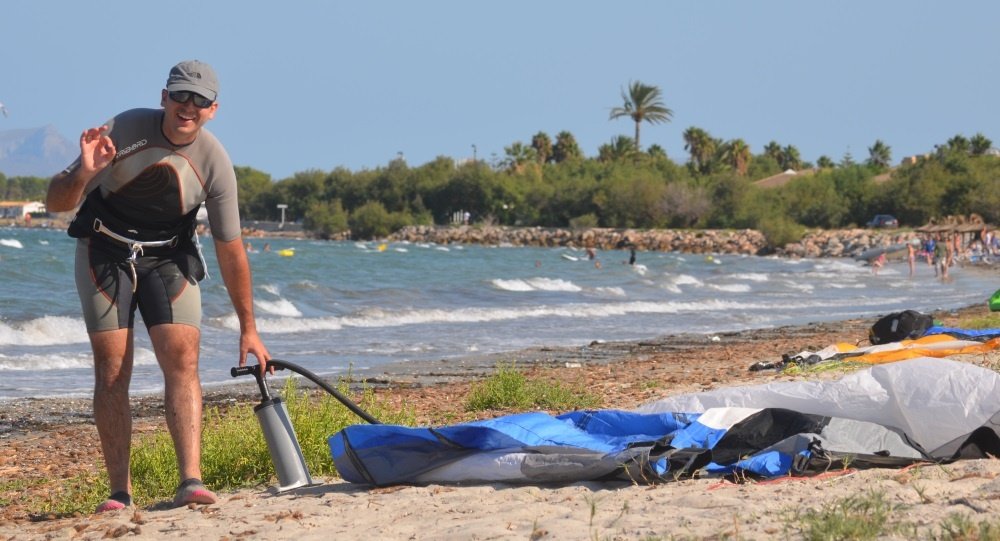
[(181, 121)]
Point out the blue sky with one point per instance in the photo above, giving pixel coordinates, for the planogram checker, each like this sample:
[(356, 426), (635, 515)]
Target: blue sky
[(321, 84)]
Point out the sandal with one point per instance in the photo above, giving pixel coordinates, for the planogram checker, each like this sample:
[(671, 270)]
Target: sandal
[(115, 502), (193, 491)]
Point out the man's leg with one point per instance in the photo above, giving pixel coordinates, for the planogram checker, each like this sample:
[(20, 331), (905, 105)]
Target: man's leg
[(176, 347), (112, 415)]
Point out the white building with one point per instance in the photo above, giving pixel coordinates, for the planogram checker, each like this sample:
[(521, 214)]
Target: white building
[(19, 209)]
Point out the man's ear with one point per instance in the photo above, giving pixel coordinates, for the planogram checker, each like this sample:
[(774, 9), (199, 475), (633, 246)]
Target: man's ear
[(163, 98)]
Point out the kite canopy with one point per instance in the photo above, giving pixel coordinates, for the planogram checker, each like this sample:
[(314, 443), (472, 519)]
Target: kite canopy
[(924, 409)]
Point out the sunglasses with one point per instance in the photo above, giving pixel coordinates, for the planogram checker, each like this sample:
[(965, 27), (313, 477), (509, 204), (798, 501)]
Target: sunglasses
[(182, 96)]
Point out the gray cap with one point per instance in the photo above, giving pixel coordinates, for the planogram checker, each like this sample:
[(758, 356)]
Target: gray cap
[(194, 76)]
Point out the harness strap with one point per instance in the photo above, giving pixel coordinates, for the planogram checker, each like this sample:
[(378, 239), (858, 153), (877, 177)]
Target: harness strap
[(135, 247)]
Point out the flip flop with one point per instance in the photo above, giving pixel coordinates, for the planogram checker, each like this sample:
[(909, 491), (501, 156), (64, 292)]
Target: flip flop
[(193, 491), (115, 502)]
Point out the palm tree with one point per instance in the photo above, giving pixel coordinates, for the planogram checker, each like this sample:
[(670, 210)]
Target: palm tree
[(518, 154), (790, 158), (642, 102), (657, 152), (825, 162), (620, 147), (543, 146), (773, 149), (879, 154), (737, 154), (566, 148), (701, 146)]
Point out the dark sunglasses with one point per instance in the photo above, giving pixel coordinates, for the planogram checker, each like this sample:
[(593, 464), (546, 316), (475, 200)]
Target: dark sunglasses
[(182, 96)]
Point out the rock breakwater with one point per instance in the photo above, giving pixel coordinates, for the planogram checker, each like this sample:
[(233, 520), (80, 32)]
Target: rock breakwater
[(820, 243)]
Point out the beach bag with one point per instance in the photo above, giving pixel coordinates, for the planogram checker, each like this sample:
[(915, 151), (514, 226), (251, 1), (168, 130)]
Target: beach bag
[(904, 325)]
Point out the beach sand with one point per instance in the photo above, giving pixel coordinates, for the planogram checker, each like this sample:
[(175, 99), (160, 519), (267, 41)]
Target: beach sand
[(54, 440)]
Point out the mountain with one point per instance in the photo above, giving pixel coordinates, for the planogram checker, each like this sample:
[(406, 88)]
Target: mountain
[(35, 152)]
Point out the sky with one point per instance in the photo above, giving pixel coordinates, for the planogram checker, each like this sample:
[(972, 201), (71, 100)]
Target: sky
[(316, 85)]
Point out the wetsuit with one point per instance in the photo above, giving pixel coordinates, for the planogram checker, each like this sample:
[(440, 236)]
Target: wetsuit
[(148, 197)]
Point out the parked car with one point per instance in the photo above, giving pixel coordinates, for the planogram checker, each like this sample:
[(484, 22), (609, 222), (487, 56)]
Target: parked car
[(883, 220)]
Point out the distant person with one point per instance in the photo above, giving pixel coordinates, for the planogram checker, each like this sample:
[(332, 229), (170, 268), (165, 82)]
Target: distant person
[(929, 245), (911, 257), (591, 254), (267, 246), (878, 263), (940, 258), (139, 182), (627, 243)]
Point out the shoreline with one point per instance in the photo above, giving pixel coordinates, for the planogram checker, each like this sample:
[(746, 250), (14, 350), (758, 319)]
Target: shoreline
[(55, 440), (22, 415)]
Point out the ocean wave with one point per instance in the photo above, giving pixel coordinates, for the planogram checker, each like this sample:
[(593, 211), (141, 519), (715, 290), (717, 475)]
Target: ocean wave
[(376, 318), (280, 307), (43, 331), (536, 284), (65, 361)]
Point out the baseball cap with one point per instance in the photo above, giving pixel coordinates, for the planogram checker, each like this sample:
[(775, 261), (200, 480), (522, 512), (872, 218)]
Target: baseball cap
[(194, 76)]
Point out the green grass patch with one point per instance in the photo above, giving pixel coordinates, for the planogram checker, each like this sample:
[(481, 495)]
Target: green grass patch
[(510, 389), (989, 321), (861, 517), (959, 527), (234, 453)]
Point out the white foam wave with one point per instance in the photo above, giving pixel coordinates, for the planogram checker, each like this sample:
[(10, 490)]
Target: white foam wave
[(272, 289), (511, 285), (43, 331), (376, 318), (685, 279), (613, 291), (65, 361), (11, 243), (731, 288), (751, 276), (280, 307), (536, 284)]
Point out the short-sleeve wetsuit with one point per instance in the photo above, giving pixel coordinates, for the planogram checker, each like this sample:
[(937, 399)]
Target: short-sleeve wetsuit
[(152, 189)]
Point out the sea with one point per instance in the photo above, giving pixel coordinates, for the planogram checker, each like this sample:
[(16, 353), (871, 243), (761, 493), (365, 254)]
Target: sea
[(333, 307)]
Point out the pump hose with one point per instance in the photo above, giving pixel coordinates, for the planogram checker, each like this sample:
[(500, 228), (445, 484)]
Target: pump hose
[(281, 365)]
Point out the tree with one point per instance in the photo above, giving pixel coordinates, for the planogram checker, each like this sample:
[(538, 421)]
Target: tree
[(790, 158), (620, 148), (959, 144), (701, 146), (980, 144), (517, 154), (736, 153), (565, 148), (656, 152), (825, 162), (879, 155), (642, 103), (543, 147), (773, 149)]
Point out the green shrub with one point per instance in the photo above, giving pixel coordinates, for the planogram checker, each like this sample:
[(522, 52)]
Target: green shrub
[(510, 389), (780, 231)]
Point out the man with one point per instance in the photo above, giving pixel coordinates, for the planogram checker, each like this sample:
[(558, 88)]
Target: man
[(141, 179)]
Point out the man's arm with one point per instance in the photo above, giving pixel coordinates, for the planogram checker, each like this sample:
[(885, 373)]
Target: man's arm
[(66, 188), (235, 269)]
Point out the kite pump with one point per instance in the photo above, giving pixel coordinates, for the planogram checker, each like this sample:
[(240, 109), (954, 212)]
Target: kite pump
[(272, 414)]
